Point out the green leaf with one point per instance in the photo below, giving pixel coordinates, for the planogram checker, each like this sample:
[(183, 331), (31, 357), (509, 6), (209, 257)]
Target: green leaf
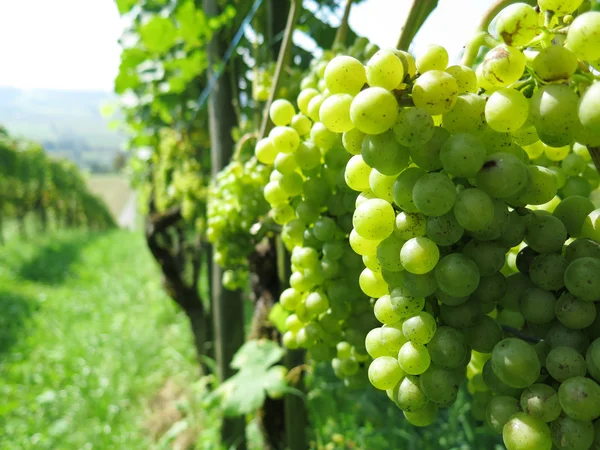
[(192, 23), (259, 354), (126, 80), (158, 35), (277, 316), (124, 6)]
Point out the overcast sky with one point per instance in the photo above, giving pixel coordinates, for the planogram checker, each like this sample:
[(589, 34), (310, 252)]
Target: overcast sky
[(72, 44)]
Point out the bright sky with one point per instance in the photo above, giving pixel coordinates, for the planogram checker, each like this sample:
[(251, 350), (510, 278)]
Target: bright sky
[(72, 44)]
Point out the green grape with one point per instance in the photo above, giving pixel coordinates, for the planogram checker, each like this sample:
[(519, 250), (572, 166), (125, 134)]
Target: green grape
[(447, 348), (484, 334), (385, 313), (583, 37), (461, 316), (570, 434), (488, 256), (463, 155), (555, 64), (305, 96), (474, 209), (357, 174), (345, 75), (371, 262), (457, 275), (573, 165), (282, 214), (580, 248), (419, 285), (499, 411), (545, 233), (490, 290), (440, 385), (563, 363), (419, 255), (560, 6), (307, 212), (314, 106), (382, 152), (284, 139), (315, 190), (290, 298), (559, 335), (324, 229), (435, 92), (352, 141), (465, 78), (414, 126), (503, 65), (547, 271), (291, 184), (384, 341), (554, 114), (503, 175), (414, 358), (301, 124), (372, 284), (513, 319), (523, 432), (466, 116), (335, 113), (556, 153), (496, 385), (316, 303), (444, 229), (517, 283), (579, 398), (591, 226), (374, 219), (404, 305), (446, 299), (382, 185), (575, 186), (362, 246), (541, 401), (589, 106), (322, 137), (388, 251), (423, 417), (427, 156), (592, 359), (308, 156), (281, 112), (515, 362), (434, 58), (265, 151), (420, 328), (506, 110), (410, 225), (385, 70), (434, 194), (537, 305), (572, 211), (385, 373), (581, 278), (374, 110), (542, 189), (402, 191), (573, 312), (517, 24), (408, 394)]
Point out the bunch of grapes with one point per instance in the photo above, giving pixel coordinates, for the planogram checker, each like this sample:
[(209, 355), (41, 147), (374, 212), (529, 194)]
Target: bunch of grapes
[(235, 204), (479, 245)]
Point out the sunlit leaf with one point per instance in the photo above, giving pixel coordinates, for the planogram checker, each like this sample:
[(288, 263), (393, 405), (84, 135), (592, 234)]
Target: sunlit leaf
[(124, 6), (158, 35)]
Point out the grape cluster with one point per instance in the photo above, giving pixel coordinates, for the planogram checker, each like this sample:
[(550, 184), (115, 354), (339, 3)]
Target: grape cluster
[(479, 245), (235, 204)]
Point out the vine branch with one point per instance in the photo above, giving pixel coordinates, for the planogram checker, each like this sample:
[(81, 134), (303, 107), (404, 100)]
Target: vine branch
[(419, 11), (521, 335), (342, 31), (595, 154), (286, 46)]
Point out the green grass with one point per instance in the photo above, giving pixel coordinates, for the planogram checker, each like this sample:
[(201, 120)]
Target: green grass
[(86, 338)]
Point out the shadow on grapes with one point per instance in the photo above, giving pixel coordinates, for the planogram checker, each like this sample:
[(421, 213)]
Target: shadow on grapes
[(365, 419)]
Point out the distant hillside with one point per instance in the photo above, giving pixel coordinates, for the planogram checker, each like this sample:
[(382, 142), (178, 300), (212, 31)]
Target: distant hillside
[(68, 123)]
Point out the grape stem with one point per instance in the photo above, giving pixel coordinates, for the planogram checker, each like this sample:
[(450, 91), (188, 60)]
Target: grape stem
[(419, 11), (342, 32), (521, 335), (472, 48), (286, 47), (595, 154)]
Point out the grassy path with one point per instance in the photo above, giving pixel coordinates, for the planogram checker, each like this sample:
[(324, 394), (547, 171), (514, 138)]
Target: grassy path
[(86, 335)]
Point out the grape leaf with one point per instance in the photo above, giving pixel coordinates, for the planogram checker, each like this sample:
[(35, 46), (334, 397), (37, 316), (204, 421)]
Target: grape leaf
[(158, 35)]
